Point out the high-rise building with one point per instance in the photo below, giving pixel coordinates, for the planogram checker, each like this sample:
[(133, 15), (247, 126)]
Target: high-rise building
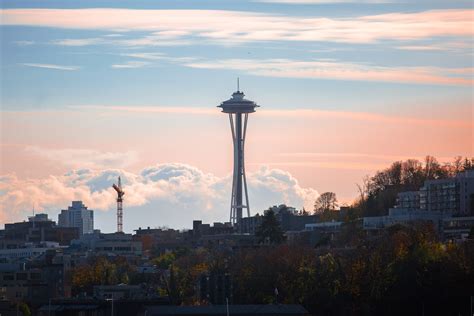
[(78, 216)]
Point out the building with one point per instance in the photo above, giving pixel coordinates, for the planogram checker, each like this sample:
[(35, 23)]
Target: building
[(157, 241), (38, 279), (27, 251), (37, 229), (404, 217), (446, 203), (78, 216), (453, 195), (457, 228), (200, 229), (115, 244), (325, 227), (119, 292), (289, 218), (408, 200), (221, 235)]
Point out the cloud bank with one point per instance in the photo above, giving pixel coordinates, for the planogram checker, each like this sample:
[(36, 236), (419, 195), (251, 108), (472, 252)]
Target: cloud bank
[(179, 191), (322, 69)]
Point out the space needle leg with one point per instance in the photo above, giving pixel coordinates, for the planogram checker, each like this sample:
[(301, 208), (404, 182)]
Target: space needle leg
[(232, 199), (243, 166)]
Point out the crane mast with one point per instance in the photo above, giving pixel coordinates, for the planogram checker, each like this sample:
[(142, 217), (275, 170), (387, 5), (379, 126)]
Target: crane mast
[(120, 194)]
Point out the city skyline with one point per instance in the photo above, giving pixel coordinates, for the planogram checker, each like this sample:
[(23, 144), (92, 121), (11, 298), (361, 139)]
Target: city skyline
[(102, 89)]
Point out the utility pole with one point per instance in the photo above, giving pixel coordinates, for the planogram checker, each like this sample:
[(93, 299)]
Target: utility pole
[(227, 304), (112, 304)]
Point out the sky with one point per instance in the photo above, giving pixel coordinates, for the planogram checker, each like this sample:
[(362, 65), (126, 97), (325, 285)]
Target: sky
[(91, 90)]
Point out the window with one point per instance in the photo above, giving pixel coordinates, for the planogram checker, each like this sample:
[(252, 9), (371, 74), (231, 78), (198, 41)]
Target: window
[(22, 276), (8, 277)]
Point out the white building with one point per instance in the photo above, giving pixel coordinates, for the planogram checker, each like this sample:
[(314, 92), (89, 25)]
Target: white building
[(29, 250), (331, 227), (450, 200), (403, 216), (79, 216)]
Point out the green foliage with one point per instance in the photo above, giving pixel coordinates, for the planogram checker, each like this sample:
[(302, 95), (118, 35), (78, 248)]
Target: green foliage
[(165, 260), (24, 309), (270, 231)]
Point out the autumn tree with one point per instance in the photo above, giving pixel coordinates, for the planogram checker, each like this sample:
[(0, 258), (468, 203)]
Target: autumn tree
[(325, 202)]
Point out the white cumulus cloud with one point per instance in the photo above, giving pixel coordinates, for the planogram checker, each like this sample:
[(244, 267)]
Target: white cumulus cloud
[(172, 194)]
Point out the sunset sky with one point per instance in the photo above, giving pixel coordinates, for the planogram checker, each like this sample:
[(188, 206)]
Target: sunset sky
[(95, 89)]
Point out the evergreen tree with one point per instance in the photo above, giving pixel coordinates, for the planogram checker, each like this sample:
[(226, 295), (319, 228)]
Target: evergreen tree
[(270, 231)]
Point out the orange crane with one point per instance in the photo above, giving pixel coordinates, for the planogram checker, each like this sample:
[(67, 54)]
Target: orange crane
[(120, 194)]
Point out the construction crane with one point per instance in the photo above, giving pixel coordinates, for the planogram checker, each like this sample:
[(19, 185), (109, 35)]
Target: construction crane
[(120, 194)]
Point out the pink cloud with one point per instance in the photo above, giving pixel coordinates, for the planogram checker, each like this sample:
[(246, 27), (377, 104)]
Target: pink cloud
[(319, 69), (251, 26)]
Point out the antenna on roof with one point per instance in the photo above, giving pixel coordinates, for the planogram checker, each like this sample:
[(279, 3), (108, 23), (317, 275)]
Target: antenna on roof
[(238, 86)]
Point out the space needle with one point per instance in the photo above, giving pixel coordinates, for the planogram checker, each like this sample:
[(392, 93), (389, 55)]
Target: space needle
[(238, 109)]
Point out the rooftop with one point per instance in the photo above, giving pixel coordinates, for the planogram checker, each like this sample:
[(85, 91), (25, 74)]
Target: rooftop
[(269, 309)]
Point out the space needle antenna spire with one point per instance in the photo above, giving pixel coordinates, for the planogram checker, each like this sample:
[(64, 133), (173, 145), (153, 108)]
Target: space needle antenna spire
[(238, 110)]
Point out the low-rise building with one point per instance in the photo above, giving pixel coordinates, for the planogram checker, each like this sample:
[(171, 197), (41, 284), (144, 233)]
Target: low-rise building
[(114, 244), (288, 217), (157, 241), (27, 251), (119, 292), (404, 217), (37, 229), (457, 228)]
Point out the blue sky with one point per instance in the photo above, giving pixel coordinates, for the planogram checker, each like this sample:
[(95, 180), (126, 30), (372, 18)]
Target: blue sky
[(95, 82)]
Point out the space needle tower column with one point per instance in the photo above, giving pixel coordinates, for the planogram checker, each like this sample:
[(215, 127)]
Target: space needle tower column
[(238, 109)]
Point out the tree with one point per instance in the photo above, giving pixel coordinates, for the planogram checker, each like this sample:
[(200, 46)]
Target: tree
[(471, 233), (270, 230), (303, 212), (24, 309), (325, 202)]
